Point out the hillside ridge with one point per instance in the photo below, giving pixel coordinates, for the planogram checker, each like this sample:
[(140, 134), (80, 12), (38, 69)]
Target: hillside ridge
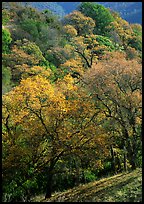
[(122, 187), (130, 11)]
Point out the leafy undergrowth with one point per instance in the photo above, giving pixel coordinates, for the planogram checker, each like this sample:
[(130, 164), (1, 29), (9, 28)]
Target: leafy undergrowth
[(124, 187)]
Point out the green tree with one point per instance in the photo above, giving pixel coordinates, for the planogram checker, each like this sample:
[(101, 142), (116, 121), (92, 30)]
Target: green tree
[(6, 41), (30, 26), (105, 41), (99, 14)]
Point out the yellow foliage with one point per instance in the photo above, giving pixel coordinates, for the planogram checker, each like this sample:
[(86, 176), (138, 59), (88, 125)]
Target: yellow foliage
[(70, 30)]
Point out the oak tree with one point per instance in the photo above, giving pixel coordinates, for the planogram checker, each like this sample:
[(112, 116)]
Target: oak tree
[(116, 86)]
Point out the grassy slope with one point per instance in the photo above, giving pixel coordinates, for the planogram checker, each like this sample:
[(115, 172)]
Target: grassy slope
[(124, 187)]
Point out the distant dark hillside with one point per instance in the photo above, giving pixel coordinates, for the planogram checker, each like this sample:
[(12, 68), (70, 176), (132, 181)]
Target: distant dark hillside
[(68, 6), (53, 6), (130, 11)]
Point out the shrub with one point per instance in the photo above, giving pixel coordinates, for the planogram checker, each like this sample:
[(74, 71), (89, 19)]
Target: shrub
[(89, 176), (6, 41)]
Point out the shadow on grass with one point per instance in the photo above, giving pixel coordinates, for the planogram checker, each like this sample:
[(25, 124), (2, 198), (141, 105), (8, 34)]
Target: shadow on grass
[(97, 190)]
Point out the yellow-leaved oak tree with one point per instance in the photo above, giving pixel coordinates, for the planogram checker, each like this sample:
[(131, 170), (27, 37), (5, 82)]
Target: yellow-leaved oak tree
[(43, 123), (85, 51), (116, 86), (78, 29), (83, 24)]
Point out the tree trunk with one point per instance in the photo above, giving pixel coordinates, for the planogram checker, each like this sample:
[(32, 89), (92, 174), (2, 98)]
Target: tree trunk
[(131, 156), (49, 186), (118, 163), (132, 161), (112, 159), (131, 150), (50, 173), (125, 157)]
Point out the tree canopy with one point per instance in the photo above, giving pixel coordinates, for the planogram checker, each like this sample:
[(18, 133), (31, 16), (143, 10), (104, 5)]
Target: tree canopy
[(72, 98), (99, 14)]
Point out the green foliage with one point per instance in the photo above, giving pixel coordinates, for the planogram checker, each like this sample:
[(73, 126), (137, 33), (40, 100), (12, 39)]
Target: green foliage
[(6, 79), (137, 29), (99, 14), (31, 185), (102, 40), (30, 26), (32, 49), (37, 26), (12, 192), (89, 175), (136, 42), (6, 75), (139, 159), (6, 41), (107, 166)]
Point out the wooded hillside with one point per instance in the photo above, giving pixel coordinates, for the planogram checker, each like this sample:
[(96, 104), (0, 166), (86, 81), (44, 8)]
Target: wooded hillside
[(72, 98)]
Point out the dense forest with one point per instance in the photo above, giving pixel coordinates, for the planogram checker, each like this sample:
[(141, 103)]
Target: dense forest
[(71, 98)]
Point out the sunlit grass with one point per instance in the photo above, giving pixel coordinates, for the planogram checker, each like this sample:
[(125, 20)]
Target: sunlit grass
[(124, 187)]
